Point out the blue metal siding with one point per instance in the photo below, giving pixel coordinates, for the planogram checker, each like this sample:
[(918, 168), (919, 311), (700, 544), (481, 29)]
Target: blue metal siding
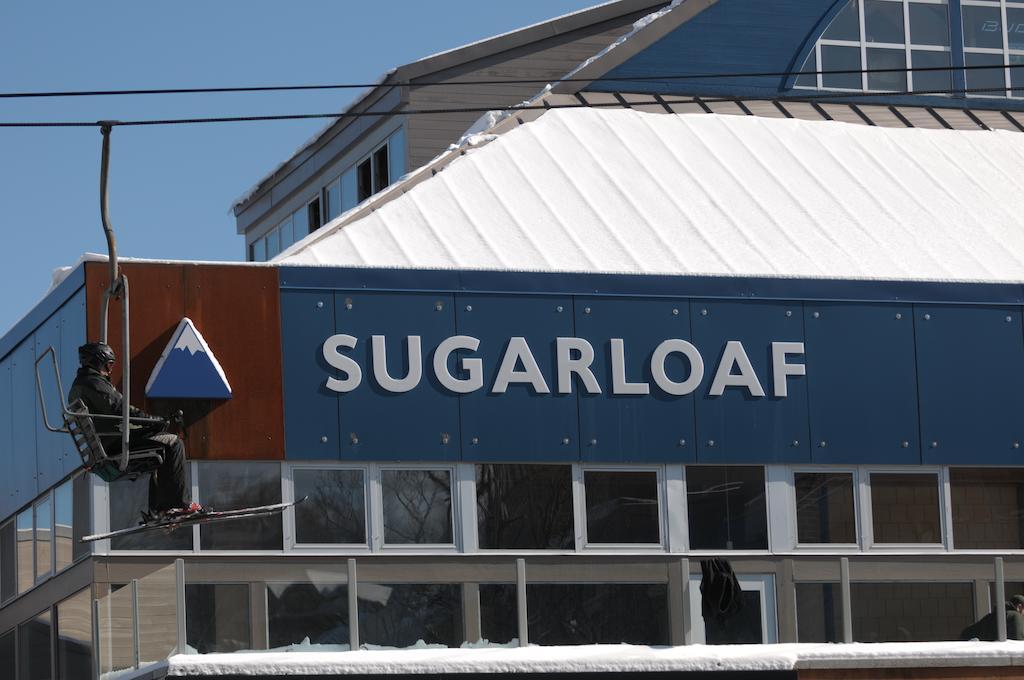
[(970, 363), (310, 409), (519, 424), (736, 427), (429, 415), (862, 383), (49, 448), (72, 335), (23, 427), (621, 428), (8, 497)]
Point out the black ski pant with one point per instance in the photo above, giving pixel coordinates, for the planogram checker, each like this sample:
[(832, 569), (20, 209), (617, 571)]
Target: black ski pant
[(168, 484)]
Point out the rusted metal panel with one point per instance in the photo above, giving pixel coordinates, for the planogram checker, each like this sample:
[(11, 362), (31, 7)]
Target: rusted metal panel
[(236, 309)]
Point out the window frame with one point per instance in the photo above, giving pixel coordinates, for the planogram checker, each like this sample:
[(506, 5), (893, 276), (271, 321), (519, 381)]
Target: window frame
[(377, 542), (763, 584), (769, 508), (580, 508), (945, 515), (791, 510), (291, 531)]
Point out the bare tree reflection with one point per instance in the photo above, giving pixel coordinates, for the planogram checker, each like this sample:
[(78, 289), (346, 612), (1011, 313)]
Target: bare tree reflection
[(417, 506), (336, 509), (525, 506)]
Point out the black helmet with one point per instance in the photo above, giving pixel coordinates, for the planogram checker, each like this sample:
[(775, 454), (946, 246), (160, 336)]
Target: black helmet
[(95, 354)]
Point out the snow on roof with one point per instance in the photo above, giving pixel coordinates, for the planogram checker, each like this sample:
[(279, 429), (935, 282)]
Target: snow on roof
[(610, 190), (600, 658)]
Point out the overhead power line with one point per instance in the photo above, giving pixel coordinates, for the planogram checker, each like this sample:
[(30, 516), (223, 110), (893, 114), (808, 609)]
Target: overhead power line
[(508, 81)]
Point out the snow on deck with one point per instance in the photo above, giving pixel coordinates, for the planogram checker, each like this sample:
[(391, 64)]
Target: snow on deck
[(601, 658), (623, 191)]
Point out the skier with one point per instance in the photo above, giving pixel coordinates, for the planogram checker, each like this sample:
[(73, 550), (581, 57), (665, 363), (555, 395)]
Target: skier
[(169, 493)]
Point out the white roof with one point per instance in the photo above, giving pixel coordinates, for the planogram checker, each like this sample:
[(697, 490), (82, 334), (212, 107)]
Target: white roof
[(616, 190)]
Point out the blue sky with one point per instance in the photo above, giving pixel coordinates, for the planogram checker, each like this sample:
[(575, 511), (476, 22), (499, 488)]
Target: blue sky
[(171, 187)]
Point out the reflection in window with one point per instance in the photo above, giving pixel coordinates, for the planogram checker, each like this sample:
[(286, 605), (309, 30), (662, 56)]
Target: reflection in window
[(524, 507), (622, 506), (883, 21), (335, 511), (82, 510), (910, 612), (596, 613), (241, 485), (905, 508), (128, 500), (417, 506), (982, 26), (397, 615), (819, 614), (24, 552), (884, 58), (217, 617), (74, 636), (743, 627), (8, 570), (314, 611), (931, 81), (7, 650), (34, 657), (63, 524), (824, 507), (985, 81), (726, 507), (43, 537), (988, 508)]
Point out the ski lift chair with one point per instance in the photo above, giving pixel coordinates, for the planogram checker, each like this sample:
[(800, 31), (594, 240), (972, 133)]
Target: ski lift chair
[(80, 424)]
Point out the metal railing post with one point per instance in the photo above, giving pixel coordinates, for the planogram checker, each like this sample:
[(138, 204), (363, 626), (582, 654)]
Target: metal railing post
[(134, 593), (353, 605), (179, 587), (97, 664), (998, 607), (847, 600), (524, 635)]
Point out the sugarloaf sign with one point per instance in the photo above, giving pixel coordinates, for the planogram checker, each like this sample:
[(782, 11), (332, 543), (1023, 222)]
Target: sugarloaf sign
[(574, 358)]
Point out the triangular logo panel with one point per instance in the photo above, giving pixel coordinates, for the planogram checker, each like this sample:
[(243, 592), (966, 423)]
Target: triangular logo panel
[(187, 369)]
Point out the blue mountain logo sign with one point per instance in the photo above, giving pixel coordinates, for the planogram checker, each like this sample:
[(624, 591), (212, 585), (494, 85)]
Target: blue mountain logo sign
[(187, 369)]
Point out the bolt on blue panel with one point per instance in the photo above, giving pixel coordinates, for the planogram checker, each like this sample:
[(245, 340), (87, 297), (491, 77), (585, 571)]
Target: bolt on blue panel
[(737, 426), (310, 409), (392, 416), (653, 427), (49, 449), (863, 383), (23, 426), (519, 424), (970, 363), (72, 335)]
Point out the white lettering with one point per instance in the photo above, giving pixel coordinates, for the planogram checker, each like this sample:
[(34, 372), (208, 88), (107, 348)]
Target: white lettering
[(517, 351), (334, 357), (580, 365), (380, 365), (780, 369), (619, 384), (473, 366), (661, 378), (734, 354)]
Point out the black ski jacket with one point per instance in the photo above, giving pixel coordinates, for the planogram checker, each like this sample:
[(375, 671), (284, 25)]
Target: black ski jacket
[(101, 398)]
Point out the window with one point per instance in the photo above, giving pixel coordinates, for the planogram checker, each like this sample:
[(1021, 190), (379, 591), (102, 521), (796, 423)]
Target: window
[(726, 507), (34, 652), (819, 613), (364, 178), (81, 499), (824, 507), (259, 250), (8, 657), (74, 636), (335, 511), (127, 502), (63, 525), (417, 506), (314, 611), (988, 508), (241, 485), (526, 507), (24, 552), (217, 617), (910, 612), (905, 508), (622, 506), (43, 517), (312, 218), (753, 624), (8, 562), (397, 615), (373, 173)]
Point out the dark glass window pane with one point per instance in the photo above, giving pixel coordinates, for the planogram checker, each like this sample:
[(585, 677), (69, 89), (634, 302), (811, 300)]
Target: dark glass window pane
[(1017, 75), (25, 554), (335, 511), (887, 59), (1015, 27), (929, 24), (622, 507), (983, 81), (7, 655), (524, 507), (988, 508), (241, 485), (726, 507), (910, 612), (824, 508), (417, 506), (807, 77), (74, 636), (8, 571), (44, 536), (397, 615), (499, 622), (127, 502), (217, 616), (819, 614), (931, 81), (364, 181), (883, 21), (296, 611), (836, 58), (82, 500), (381, 173), (846, 24), (63, 524), (34, 649), (982, 26), (743, 627), (905, 508), (313, 215)]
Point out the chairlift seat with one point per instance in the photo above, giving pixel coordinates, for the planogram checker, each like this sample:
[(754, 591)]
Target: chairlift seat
[(89, 443)]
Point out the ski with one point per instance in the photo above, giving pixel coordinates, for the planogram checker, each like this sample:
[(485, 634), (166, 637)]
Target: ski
[(205, 517)]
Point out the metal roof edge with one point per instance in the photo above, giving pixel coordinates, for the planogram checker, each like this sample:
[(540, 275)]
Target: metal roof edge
[(51, 302)]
